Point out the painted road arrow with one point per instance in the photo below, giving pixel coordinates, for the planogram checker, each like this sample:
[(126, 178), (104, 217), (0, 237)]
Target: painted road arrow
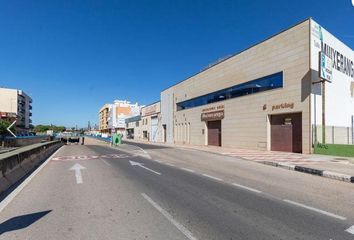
[(77, 168), (142, 166), (8, 129)]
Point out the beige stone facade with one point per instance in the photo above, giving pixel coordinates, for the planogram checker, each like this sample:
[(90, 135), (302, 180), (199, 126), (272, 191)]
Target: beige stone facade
[(133, 128), (151, 126), (246, 120)]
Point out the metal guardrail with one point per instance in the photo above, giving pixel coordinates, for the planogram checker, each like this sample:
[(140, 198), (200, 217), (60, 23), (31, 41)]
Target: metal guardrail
[(23, 137), (107, 139)]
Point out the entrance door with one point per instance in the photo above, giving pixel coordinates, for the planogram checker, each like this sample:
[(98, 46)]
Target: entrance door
[(214, 133), (164, 132), (286, 132)]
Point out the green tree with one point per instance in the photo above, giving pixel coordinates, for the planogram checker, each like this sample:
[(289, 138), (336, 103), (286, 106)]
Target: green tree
[(44, 128), (59, 128), (41, 128)]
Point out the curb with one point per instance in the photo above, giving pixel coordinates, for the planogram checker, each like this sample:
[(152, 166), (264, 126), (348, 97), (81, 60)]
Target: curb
[(313, 171)]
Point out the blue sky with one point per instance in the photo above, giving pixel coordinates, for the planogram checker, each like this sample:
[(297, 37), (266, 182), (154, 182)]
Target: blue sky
[(72, 56)]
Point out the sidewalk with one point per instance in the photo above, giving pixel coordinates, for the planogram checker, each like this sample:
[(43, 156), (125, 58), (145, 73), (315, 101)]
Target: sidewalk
[(338, 168), (7, 149)]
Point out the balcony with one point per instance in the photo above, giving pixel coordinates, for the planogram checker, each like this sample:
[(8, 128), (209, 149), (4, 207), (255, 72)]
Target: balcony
[(30, 107)]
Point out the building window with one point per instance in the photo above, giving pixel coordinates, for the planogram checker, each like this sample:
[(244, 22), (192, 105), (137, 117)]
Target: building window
[(258, 85), (145, 134)]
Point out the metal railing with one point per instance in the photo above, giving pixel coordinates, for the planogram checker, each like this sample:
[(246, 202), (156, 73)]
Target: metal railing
[(333, 134)]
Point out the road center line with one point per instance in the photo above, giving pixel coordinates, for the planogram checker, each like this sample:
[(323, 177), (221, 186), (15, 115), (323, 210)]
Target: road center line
[(315, 209), (179, 226), (350, 230), (212, 177), (107, 163), (187, 169), (247, 188)]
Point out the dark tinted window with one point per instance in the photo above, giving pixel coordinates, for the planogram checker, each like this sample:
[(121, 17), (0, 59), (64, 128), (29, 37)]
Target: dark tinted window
[(258, 85)]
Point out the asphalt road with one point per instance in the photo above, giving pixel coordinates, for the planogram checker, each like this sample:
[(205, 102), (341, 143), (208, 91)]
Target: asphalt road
[(153, 192)]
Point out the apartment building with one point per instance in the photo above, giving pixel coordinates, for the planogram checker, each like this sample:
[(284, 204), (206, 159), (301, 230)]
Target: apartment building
[(16, 105), (104, 118), (112, 116)]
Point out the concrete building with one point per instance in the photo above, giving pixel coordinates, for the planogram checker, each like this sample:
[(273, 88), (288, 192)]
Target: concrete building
[(151, 125), (266, 96), (112, 116), (133, 130), (120, 110), (16, 105)]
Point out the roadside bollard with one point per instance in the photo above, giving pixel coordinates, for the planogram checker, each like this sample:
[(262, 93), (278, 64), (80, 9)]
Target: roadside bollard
[(83, 141)]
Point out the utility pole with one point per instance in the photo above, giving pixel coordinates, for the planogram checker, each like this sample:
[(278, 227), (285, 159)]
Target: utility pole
[(323, 111), (325, 74)]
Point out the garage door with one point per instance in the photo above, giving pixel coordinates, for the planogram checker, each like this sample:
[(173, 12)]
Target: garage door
[(153, 131), (286, 132), (214, 133)]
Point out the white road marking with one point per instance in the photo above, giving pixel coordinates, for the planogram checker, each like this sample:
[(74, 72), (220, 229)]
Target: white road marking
[(315, 209), (16, 191), (187, 169), (179, 226), (145, 152), (107, 163), (169, 164), (77, 168), (142, 166), (84, 157), (212, 177), (247, 188), (350, 230)]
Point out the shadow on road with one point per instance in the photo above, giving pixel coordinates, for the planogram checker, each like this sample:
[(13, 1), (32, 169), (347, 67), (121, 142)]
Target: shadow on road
[(22, 221), (144, 145)]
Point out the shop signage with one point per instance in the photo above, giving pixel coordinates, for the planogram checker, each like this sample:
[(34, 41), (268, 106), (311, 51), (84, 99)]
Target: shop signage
[(150, 110), (342, 57), (212, 116), (213, 108), (325, 67), (282, 106)]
